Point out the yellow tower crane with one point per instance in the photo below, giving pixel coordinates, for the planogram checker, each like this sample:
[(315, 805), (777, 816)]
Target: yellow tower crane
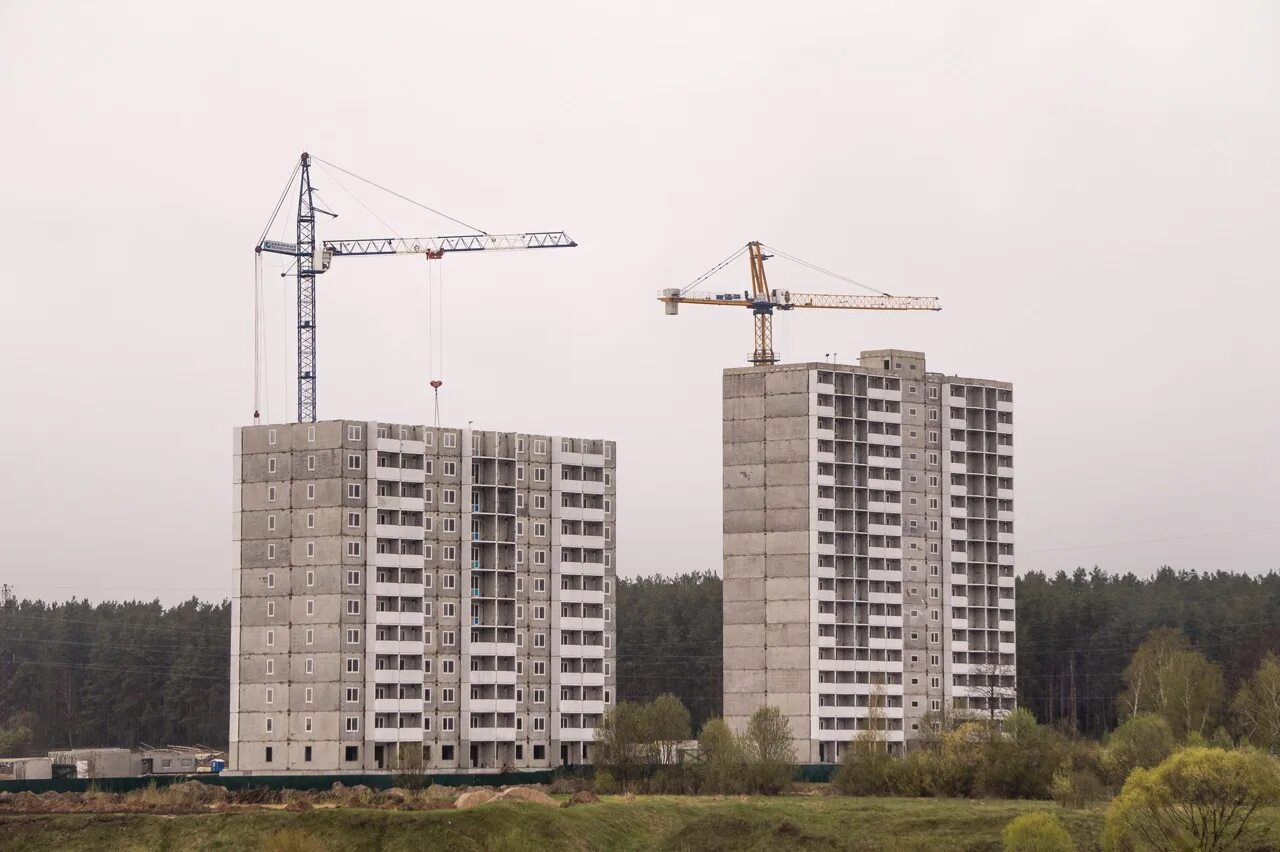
[(763, 302)]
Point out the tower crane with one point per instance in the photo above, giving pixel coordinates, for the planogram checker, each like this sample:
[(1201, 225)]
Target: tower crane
[(312, 257), (763, 302)]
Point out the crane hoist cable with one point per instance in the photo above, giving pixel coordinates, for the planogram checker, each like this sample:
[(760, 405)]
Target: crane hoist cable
[(257, 337), (435, 332), (259, 330)]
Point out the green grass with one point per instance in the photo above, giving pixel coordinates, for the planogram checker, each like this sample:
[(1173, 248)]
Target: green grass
[(648, 822)]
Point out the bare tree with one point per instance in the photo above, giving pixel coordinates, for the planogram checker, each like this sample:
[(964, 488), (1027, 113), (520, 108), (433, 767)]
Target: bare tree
[(408, 768), (993, 682)]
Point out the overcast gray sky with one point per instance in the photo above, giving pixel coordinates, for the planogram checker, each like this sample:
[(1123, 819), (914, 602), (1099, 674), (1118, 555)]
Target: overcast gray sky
[(1092, 188)]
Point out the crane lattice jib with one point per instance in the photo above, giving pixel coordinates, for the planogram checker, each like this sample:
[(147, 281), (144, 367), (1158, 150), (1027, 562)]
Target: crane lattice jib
[(435, 245), (784, 300)]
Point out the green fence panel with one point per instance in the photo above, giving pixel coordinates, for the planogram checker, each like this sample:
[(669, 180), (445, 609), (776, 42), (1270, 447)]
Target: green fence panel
[(380, 781), (809, 772)]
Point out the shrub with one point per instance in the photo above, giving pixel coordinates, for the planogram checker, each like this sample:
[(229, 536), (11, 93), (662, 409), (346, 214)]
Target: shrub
[(1021, 763), (675, 780), (1200, 798), (770, 753), (604, 783), (866, 769), (721, 766), (1037, 832), (1142, 741), (1076, 788)]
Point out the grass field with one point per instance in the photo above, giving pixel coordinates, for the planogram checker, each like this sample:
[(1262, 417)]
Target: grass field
[(647, 822)]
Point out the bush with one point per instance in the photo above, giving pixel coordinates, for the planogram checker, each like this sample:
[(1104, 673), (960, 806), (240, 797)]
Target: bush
[(1077, 788), (771, 756), (1021, 763), (1037, 832), (866, 769), (1142, 741), (676, 780), (604, 783), (721, 766), (1200, 798)]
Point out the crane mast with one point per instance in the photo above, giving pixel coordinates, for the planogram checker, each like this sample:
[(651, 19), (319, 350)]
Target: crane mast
[(306, 275), (763, 302), (312, 257)]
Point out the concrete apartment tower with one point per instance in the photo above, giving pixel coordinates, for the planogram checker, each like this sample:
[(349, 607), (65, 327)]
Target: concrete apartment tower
[(868, 548), (411, 594)]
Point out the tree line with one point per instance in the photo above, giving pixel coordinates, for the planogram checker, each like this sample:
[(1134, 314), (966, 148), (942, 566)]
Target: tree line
[(1077, 633), (116, 673), (113, 674)]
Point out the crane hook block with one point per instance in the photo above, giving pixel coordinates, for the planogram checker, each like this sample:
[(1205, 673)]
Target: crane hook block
[(436, 383)]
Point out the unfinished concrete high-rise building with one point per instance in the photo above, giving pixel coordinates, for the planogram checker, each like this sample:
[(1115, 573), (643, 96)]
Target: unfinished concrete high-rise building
[(868, 548), (413, 596)]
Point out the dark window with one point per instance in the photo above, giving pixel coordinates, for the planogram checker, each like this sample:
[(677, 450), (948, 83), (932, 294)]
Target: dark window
[(519, 752), (539, 752), (352, 753), (446, 752), (306, 754), (268, 754)]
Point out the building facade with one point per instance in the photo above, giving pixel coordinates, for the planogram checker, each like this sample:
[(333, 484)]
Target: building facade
[(415, 596), (868, 548)]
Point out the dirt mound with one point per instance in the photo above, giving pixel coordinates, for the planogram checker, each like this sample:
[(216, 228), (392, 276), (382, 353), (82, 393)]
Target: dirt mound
[(197, 792), (474, 797), (437, 793), (257, 796), (526, 794), (583, 797)]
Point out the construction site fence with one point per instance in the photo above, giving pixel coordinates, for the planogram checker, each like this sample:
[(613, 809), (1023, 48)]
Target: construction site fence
[(810, 773)]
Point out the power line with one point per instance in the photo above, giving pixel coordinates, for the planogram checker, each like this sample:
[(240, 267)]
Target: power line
[(1151, 540), (122, 670)]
